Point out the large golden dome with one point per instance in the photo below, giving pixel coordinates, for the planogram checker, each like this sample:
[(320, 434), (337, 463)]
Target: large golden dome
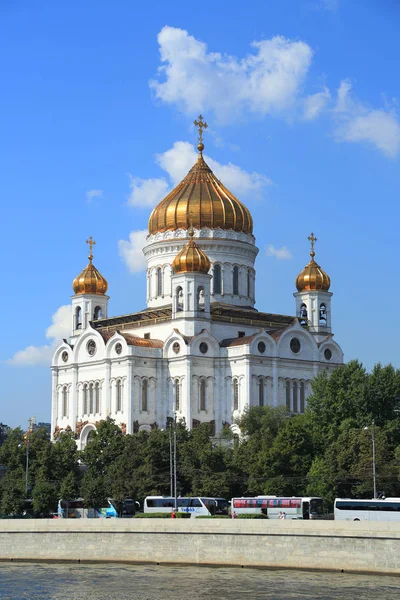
[(200, 200), (191, 259), (312, 276), (90, 281)]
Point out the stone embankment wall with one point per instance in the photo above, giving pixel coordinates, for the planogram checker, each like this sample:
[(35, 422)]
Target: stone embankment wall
[(326, 545)]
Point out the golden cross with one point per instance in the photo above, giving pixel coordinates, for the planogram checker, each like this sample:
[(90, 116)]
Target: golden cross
[(91, 243), (311, 238), (201, 125)]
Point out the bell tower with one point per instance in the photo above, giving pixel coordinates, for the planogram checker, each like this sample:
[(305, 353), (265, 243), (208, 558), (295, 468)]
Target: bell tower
[(313, 298), (90, 301), (190, 284)]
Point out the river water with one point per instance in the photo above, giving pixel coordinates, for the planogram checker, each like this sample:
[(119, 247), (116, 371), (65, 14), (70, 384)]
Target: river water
[(27, 581)]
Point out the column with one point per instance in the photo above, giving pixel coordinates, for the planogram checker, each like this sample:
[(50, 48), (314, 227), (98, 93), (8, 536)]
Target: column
[(275, 383)]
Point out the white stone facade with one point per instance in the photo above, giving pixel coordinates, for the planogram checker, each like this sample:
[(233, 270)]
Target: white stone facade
[(202, 353)]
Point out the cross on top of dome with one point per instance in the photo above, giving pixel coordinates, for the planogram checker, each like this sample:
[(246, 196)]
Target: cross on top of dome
[(91, 243), (311, 238), (200, 124)]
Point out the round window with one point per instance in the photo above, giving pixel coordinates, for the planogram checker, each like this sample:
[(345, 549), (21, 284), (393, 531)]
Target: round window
[(203, 348), (91, 347), (176, 347), (118, 348), (295, 345), (328, 354), (261, 347), (64, 356)]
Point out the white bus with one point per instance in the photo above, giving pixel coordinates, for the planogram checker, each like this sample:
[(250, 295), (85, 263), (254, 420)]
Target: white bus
[(196, 506), (384, 509), (272, 506), (76, 509)]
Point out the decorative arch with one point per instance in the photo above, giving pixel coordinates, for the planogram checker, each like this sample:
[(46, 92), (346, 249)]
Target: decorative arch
[(78, 317), (159, 282), (145, 428), (235, 280), (83, 439), (98, 313), (217, 279)]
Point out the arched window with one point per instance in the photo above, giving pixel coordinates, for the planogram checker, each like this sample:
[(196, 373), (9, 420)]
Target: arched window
[(118, 398), (200, 298), (85, 399), (202, 394), (91, 398), (179, 299), (302, 397), (295, 398), (288, 394), (217, 279), (177, 395), (322, 314), (78, 318), (235, 282), (261, 392), (235, 394), (248, 283), (97, 397), (303, 314), (159, 281), (65, 401), (98, 313), (145, 388)]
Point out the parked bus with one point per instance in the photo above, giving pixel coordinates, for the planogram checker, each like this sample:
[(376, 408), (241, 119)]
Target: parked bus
[(382, 509), (75, 509), (196, 506), (271, 506)]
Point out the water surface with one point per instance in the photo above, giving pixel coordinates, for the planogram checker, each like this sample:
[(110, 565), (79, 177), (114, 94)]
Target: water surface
[(28, 581)]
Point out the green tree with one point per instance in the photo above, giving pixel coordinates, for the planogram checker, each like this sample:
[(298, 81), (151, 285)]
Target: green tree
[(341, 397), (104, 447), (44, 496), (12, 490)]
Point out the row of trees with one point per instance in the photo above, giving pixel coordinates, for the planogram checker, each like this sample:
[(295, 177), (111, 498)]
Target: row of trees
[(325, 452)]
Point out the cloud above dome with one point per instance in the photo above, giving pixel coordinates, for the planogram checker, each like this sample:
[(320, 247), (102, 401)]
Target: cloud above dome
[(271, 81), (266, 81)]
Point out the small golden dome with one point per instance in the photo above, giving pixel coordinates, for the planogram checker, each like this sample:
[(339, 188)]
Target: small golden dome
[(312, 276), (90, 281), (200, 200), (191, 259)]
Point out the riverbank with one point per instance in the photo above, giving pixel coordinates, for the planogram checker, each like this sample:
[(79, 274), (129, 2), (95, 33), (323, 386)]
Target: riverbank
[(362, 547)]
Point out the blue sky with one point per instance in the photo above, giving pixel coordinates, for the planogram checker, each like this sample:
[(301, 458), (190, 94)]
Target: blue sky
[(97, 104)]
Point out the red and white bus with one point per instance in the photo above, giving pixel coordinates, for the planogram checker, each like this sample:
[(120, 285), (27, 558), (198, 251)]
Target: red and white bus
[(272, 506)]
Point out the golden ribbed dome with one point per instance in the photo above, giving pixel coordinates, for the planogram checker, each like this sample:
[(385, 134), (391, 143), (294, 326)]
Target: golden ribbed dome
[(90, 281), (191, 259), (312, 276), (200, 200)]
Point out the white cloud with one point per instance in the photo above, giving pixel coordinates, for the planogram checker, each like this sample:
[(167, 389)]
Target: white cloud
[(196, 80), (315, 104), (358, 123), (131, 251), (90, 194), (279, 253), (147, 192), (41, 355)]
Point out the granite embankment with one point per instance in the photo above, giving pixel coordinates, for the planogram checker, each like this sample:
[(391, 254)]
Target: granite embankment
[(326, 545)]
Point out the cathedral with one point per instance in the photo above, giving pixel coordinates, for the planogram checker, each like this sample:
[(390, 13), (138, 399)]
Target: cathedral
[(200, 351)]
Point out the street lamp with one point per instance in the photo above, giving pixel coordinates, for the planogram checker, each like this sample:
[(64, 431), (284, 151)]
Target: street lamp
[(373, 457), (31, 422), (172, 462)]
